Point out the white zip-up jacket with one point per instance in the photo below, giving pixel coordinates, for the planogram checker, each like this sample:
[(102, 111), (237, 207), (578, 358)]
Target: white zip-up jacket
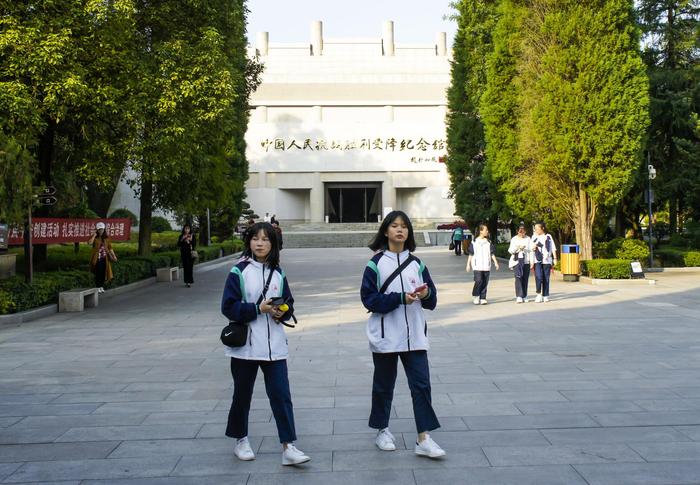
[(515, 243), (266, 337), (544, 245), (481, 250), (393, 326)]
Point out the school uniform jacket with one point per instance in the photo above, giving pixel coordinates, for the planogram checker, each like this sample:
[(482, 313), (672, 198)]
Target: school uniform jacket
[(545, 254), (266, 337), (393, 326)]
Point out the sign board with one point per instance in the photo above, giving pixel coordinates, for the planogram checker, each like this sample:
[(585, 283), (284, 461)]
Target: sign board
[(55, 230), (4, 233), (637, 271)]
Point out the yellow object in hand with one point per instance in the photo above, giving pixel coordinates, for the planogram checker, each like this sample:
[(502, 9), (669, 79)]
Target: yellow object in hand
[(284, 307)]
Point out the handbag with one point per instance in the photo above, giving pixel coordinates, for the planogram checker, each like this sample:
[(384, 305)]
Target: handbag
[(235, 334), (194, 254), (452, 245)]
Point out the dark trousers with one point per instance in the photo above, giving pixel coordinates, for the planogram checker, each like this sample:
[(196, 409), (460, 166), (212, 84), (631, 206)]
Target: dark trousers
[(481, 283), (415, 364), (100, 272), (188, 267), (458, 247), (542, 274), (522, 281), (277, 387)]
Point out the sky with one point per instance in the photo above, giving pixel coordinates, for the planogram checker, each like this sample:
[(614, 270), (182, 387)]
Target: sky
[(415, 21)]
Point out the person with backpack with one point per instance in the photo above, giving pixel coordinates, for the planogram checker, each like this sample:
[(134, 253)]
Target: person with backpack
[(457, 236), (482, 252), (249, 301), (521, 262), (545, 257), (396, 289)]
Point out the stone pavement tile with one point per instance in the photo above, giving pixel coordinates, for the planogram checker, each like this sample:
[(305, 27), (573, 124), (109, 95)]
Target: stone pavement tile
[(141, 432), (530, 421), (660, 418), (216, 430), (506, 397), (7, 422), (398, 425), (591, 376), (20, 434), (366, 400), (669, 404), (63, 388), (670, 473), (104, 397), (332, 414), (375, 459), (621, 395), (179, 447), (457, 441), (46, 409), (300, 402), (403, 477), (56, 451), (668, 451), (578, 407), (613, 435), (526, 475), (238, 479), (76, 421), (256, 415), (689, 392), (464, 409), (691, 431), (6, 469), (93, 469), (27, 398), (156, 407), (196, 465), (549, 385), (186, 386), (559, 455), (338, 442)]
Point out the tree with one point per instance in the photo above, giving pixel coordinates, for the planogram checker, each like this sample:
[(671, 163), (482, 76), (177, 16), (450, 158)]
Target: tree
[(475, 195)]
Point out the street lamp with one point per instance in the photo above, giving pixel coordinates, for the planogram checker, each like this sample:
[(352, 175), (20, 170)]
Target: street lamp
[(650, 199)]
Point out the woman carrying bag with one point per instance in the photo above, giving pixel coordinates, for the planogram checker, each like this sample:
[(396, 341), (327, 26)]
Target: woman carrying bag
[(101, 257), (257, 300), (187, 242), (521, 262), (396, 288)]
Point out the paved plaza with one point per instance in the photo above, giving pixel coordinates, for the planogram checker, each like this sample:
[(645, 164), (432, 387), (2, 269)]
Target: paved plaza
[(599, 386)]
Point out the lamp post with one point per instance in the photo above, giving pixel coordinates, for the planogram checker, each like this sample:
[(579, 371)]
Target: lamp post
[(650, 199)]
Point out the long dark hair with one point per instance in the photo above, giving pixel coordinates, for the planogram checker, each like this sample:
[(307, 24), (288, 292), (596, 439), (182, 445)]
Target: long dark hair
[(381, 241), (273, 257), (187, 224)]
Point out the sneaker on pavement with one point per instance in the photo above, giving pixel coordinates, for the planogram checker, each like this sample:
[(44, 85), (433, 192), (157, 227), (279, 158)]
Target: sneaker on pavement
[(484, 302), (385, 440), (538, 299), (429, 448), (292, 456), (518, 300), (526, 300), (545, 299), (243, 451), (477, 301)]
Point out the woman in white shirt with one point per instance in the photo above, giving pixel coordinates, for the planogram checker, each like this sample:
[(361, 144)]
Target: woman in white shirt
[(521, 262), (544, 253), (481, 253)]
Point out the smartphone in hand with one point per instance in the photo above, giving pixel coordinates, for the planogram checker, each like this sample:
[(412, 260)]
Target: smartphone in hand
[(420, 288)]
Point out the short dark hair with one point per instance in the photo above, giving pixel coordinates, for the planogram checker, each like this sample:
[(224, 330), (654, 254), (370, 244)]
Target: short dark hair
[(273, 258), (380, 240)]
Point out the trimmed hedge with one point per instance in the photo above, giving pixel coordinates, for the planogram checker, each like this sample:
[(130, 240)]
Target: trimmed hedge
[(17, 296), (606, 269), (679, 258)]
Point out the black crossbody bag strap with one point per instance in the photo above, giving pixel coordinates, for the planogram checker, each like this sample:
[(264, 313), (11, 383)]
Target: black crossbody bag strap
[(397, 272), (267, 285)]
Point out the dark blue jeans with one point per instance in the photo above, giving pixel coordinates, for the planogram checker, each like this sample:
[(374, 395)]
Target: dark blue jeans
[(277, 387), (542, 274), (481, 283), (522, 281), (415, 364)]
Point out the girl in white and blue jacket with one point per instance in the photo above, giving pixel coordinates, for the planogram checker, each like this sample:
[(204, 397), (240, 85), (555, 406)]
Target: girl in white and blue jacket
[(266, 345), (544, 253), (396, 288)]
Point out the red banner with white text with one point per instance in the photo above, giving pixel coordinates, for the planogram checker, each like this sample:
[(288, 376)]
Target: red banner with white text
[(47, 230)]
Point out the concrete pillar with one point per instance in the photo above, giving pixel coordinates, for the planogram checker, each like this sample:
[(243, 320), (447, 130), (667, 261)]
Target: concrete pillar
[(441, 43), (262, 114), (317, 199), (316, 38), (263, 43), (388, 38), (388, 194), (389, 114), (318, 114)]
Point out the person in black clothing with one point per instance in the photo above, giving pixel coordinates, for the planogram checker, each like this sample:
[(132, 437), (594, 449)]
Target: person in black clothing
[(187, 242)]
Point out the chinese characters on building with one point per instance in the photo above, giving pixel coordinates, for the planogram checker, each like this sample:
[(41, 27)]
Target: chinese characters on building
[(386, 144), (53, 231)]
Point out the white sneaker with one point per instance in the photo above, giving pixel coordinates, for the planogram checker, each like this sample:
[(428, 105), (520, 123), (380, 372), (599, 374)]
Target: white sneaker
[(484, 302), (526, 300), (429, 448), (518, 300), (385, 440), (100, 290), (477, 301), (292, 456), (538, 298), (545, 299), (243, 451)]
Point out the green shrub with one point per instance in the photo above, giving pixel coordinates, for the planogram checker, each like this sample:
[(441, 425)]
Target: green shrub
[(692, 258), (678, 241), (502, 250), (160, 224), (16, 295), (632, 250), (125, 213), (607, 269)]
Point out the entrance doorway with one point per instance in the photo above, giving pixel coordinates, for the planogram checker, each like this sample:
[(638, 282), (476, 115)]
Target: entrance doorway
[(353, 202)]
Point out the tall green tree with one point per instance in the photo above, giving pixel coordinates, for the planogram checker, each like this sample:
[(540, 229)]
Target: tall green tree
[(672, 53), (475, 195)]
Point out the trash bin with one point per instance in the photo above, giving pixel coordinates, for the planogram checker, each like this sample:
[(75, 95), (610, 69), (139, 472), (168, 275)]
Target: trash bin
[(570, 262)]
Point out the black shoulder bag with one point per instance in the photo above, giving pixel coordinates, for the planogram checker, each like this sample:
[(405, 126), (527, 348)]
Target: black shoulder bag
[(235, 334)]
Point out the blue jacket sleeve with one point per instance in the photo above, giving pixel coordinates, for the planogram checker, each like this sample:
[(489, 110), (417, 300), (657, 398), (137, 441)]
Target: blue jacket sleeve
[(232, 304), (372, 299), (430, 302), (287, 295)]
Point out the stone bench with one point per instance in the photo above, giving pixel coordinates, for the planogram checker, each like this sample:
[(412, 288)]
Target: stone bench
[(166, 275), (77, 300)]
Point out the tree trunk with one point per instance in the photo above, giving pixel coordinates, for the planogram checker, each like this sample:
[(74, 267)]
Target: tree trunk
[(203, 236), (493, 227), (145, 217), (619, 221), (583, 224)]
